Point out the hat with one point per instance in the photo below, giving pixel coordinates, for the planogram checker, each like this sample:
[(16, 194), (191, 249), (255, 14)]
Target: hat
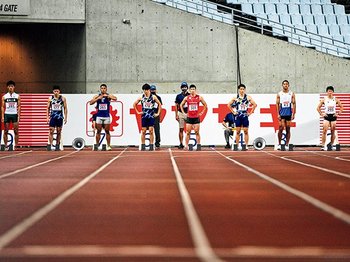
[(153, 87), (184, 84)]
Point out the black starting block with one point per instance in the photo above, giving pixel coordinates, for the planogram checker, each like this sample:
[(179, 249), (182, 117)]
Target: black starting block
[(95, 148), (330, 147), (2, 147), (143, 147), (48, 147), (104, 147), (235, 147), (190, 147), (199, 147), (9, 148), (57, 147), (290, 147), (244, 147)]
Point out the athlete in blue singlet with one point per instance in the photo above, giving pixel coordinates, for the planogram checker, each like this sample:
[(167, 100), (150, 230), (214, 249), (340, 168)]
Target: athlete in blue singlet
[(286, 106), (103, 120), (56, 114), (239, 107), (148, 102)]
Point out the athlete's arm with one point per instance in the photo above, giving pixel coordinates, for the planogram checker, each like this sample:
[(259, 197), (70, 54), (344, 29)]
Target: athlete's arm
[(2, 109), (65, 110), (229, 105), (112, 97), (182, 105), (48, 110), (341, 107), (135, 106), (159, 105), (18, 108), (204, 104), (278, 106), (294, 108), (319, 108), (94, 99), (254, 105)]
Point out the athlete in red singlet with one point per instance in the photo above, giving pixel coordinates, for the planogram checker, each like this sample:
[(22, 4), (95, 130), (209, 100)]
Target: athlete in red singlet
[(193, 114)]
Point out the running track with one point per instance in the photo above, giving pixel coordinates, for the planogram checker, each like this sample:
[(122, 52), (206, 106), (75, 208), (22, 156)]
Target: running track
[(173, 205)]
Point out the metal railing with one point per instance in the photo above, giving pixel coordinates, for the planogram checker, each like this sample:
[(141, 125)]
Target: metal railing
[(265, 26)]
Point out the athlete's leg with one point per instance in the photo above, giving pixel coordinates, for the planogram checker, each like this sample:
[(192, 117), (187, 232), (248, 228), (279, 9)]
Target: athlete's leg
[(281, 126), (333, 125), (108, 134), (98, 133), (326, 124), (238, 134), (15, 131), (196, 128), (6, 131), (143, 135), (246, 135), (58, 135), (181, 135), (287, 132), (151, 134), (188, 133)]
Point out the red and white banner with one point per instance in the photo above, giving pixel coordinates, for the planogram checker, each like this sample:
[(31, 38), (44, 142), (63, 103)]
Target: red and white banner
[(125, 124)]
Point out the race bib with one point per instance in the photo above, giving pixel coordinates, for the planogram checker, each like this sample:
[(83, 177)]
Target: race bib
[(285, 104), (193, 107), (330, 109), (11, 105), (102, 107), (56, 107), (242, 107), (147, 105)]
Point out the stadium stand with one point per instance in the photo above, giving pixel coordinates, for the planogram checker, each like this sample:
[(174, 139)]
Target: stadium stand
[(317, 24)]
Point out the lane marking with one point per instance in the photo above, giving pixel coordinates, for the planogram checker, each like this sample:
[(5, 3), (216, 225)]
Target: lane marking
[(201, 243), (312, 166), (22, 153), (158, 251), (35, 165), (329, 156), (341, 215), (28, 222)]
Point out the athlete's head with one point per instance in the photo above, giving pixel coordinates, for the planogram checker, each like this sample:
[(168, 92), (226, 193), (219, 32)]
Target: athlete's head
[(330, 89), (11, 85), (146, 89), (103, 88), (153, 89), (193, 89), (285, 85), (184, 87), (241, 89), (56, 90)]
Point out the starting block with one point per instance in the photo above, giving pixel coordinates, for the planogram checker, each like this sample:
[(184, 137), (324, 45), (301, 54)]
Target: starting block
[(330, 147), (291, 147), (10, 147), (235, 147), (190, 147), (199, 147), (104, 147)]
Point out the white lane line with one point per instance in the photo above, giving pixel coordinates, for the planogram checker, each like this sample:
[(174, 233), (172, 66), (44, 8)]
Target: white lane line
[(174, 252), (201, 243), (35, 165), (22, 153), (312, 166), (329, 156), (25, 224), (341, 215)]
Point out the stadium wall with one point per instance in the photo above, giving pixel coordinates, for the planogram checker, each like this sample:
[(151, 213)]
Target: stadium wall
[(80, 44)]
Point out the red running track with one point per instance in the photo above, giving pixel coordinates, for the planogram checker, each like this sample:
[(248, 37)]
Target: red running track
[(173, 205)]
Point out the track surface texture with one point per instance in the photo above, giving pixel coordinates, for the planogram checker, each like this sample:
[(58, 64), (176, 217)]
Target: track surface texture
[(175, 205)]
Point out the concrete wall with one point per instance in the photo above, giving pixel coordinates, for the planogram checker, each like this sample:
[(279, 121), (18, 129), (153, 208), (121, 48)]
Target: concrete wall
[(161, 45), (266, 62), (165, 46), (51, 11)]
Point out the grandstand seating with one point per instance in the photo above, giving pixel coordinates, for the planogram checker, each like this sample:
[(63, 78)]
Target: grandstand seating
[(304, 22)]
